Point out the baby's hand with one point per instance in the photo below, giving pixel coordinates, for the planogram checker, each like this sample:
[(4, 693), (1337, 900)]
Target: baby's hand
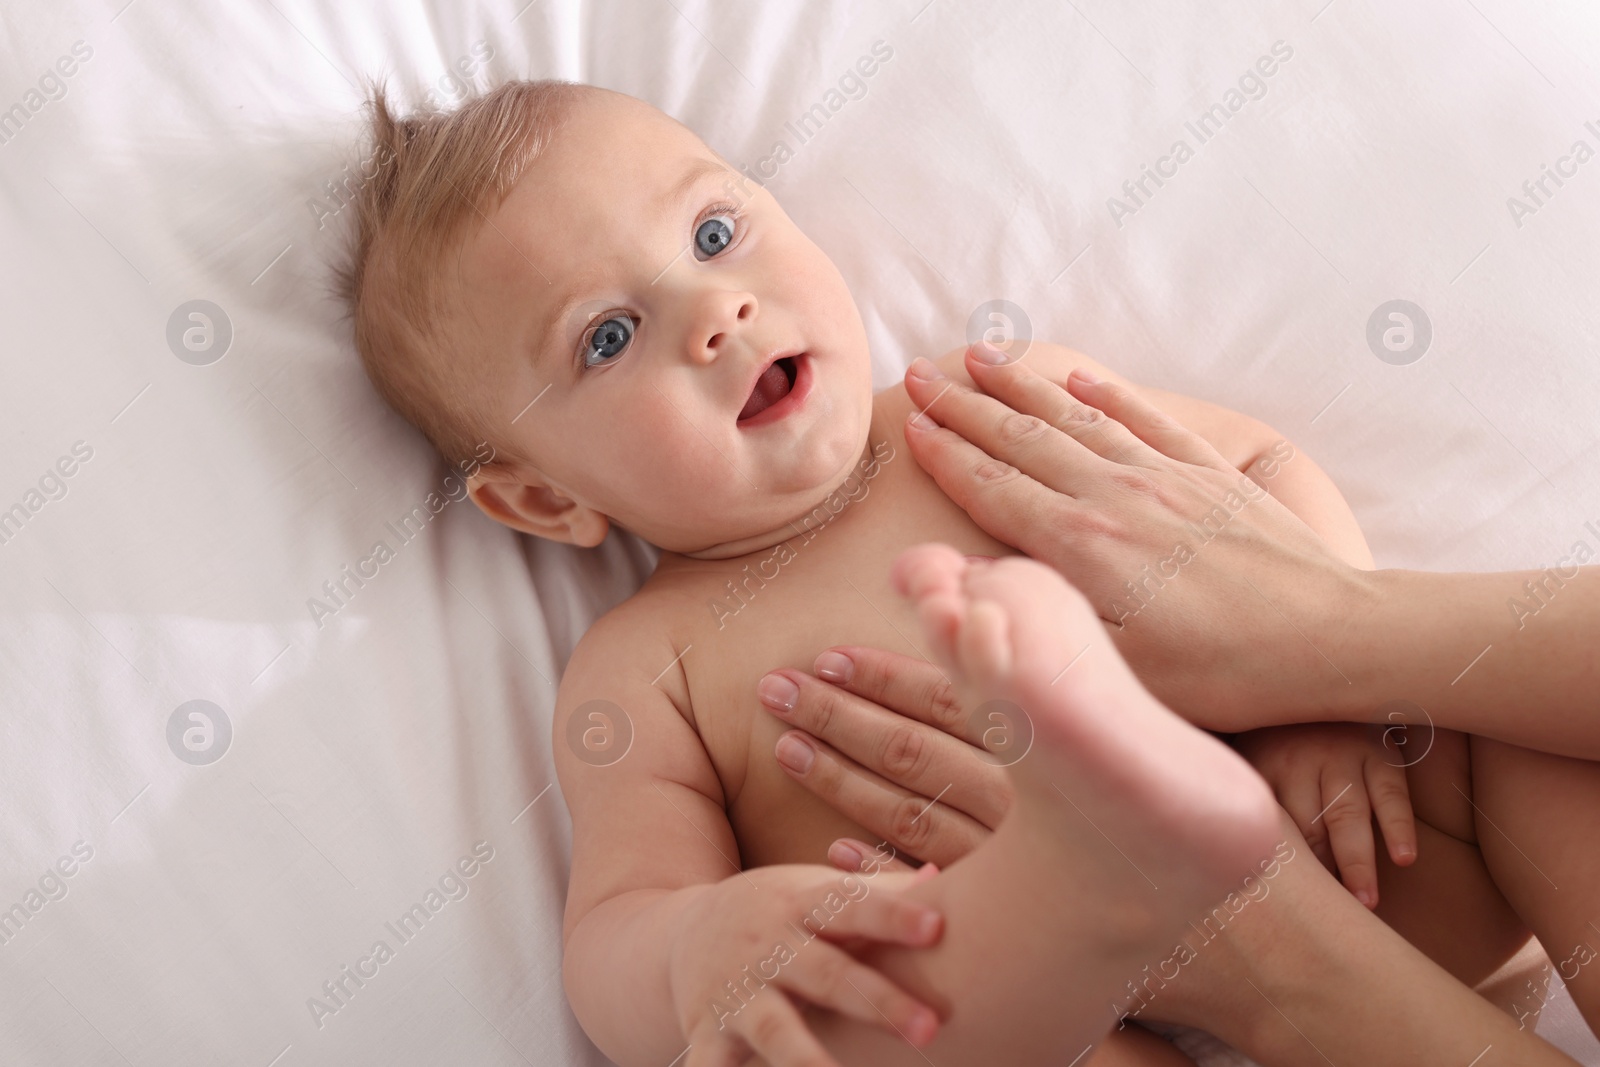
[(754, 944), (1332, 778)]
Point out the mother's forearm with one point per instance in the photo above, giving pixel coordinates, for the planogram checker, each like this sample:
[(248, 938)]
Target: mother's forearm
[(1298, 973), (1458, 651), (1508, 656)]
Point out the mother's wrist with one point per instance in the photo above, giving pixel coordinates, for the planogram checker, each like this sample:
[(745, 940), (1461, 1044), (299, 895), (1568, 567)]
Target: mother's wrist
[(1311, 654), (1364, 615)]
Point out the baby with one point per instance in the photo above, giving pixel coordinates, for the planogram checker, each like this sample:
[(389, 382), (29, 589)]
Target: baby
[(646, 340)]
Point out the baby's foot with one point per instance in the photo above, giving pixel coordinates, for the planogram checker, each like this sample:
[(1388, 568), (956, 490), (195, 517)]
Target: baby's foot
[(1108, 762)]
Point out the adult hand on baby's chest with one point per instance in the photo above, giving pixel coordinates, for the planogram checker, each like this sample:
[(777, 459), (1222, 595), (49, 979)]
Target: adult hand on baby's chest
[(781, 625)]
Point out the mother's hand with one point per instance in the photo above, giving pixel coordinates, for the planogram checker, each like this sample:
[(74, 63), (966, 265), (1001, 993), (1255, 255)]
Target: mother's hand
[(1138, 512), (880, 737)]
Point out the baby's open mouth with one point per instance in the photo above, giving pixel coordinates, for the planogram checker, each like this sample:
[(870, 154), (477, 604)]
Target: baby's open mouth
[(773, 385)]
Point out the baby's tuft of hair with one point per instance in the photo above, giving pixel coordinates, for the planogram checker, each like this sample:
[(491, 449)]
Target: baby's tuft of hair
[(425, 178)]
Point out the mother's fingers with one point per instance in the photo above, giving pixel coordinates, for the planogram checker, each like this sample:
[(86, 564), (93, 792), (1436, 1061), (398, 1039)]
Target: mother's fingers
[(1028, 421), (914, 824), (1025, 441), (1010, 506), (920, 758), (912, 687), (1142, 418), (1019, 386)]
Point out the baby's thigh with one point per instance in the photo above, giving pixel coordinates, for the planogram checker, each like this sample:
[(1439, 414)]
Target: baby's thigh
[(1440, 781), (1447, 903), (1540, 834), (1133, 1047)]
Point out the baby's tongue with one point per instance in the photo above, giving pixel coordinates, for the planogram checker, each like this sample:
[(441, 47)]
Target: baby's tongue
[(771, 387)]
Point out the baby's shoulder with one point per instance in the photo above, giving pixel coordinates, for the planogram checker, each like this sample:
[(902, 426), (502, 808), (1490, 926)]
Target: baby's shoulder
[(630, 632), (630, 646)]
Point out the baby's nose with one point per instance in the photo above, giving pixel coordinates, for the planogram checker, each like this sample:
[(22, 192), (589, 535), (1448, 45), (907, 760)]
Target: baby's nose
[(725, 315)]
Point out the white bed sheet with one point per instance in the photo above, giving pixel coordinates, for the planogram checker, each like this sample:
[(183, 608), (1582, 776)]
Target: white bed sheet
[(185, 157)]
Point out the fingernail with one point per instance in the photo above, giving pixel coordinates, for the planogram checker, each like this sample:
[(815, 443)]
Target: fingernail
[(924, 368), (1368, 900), (1086, 375), (796, 755), (988, 353), (778, 692), (980, 559), (919, 421), (927, 925), (834, 666), (842, 855), (1405, 852)]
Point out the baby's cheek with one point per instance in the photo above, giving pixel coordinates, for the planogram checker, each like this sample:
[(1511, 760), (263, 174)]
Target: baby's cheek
[(822, 284), (667, 451), (826, 305)]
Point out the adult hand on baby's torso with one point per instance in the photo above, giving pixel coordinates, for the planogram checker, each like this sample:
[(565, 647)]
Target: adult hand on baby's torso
[(1188, 560), (890, 751)]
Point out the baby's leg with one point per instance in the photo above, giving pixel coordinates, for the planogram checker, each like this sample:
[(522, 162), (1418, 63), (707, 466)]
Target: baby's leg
[(1128, 822), (1133, 1047), (1538, 821), (1449, 889)]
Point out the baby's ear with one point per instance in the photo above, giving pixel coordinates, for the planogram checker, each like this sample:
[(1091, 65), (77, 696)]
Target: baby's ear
[(522, 499)]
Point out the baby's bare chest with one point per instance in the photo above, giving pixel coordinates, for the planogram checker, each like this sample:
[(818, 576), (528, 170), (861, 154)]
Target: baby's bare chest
[(829, 586)]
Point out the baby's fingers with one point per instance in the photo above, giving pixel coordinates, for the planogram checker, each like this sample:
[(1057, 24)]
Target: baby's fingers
[(770, 1025), (858, 857), (1349, 820), (830, 977), (1391, 801), (868, 909), (1302, 799)]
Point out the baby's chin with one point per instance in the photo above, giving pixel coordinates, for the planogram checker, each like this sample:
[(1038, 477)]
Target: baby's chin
[(772, 515), (806, 471)]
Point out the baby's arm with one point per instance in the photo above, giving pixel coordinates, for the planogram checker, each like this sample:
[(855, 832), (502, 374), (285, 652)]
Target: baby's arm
[(659, 916)]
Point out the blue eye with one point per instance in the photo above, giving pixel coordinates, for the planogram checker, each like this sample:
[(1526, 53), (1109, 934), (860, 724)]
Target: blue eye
[(607, 340), (713, 235)]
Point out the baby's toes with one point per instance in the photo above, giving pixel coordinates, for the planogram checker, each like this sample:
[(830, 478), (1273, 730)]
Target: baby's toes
[(943, 615), (1045, 617), (983, 644), (926, 570)]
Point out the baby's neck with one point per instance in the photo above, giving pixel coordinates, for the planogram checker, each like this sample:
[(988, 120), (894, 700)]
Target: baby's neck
[(844, 498)]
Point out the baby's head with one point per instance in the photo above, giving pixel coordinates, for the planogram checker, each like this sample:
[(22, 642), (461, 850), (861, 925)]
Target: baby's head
[(640, 334)]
